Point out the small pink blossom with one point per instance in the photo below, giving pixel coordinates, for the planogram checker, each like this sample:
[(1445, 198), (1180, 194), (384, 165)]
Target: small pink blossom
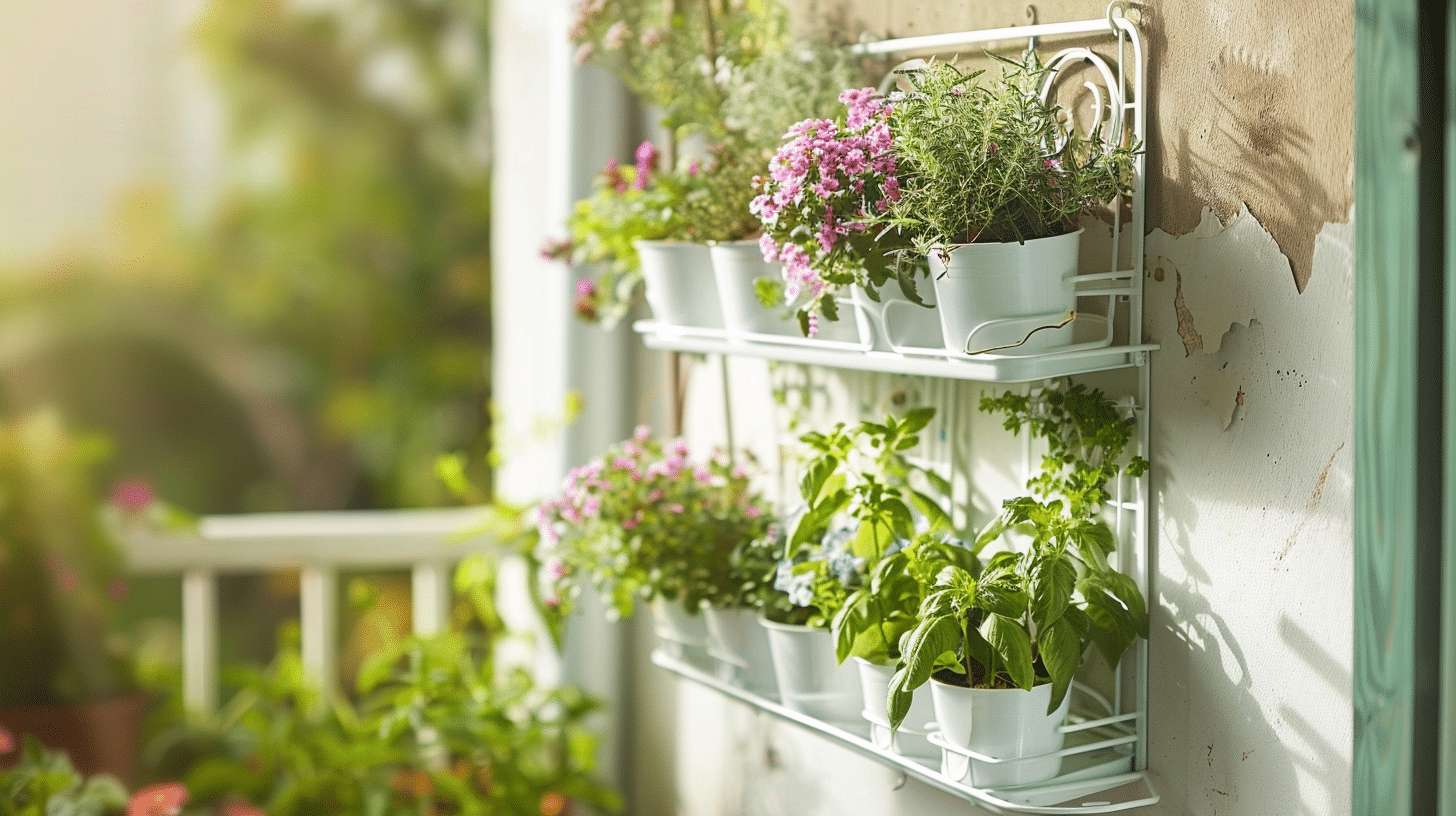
[(583, 53), (616, 36), (133, 495), (7, 741), (675, 508), (239, 807), (165, 799), (641, 434), (753, 511)]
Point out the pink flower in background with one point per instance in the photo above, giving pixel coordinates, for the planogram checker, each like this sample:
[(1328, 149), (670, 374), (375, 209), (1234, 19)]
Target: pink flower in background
[(134, 495), (616, 36), (583, 53), (165, 799), (641, 434), (652, 38), (7, 741), (646, 162), (753, 511), (237, 807), (116, 590)]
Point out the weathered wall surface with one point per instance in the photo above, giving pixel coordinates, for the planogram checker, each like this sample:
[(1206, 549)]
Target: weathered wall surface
[(1248, 291)]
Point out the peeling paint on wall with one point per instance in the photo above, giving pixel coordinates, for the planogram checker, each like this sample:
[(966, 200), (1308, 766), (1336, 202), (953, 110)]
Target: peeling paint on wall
[(1254, 108)]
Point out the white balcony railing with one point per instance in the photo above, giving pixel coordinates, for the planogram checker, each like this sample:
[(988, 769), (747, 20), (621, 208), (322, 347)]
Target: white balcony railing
[(319, 545)]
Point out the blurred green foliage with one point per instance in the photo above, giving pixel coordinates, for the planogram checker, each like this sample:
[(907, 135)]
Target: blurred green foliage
[(322, 333), (367, 265)]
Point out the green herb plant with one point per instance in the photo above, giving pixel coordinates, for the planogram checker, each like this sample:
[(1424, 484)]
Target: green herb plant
[(877, 615), (1028, 617), (858, 489), (991, 161)]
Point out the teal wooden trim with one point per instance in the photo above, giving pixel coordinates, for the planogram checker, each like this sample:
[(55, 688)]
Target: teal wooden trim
[(1386, 235), (1448, 606)]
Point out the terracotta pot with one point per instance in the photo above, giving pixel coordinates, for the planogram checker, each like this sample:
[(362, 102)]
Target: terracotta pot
[(100, 736)]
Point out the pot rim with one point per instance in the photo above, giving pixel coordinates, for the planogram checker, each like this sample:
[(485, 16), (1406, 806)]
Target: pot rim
[(954, 247)]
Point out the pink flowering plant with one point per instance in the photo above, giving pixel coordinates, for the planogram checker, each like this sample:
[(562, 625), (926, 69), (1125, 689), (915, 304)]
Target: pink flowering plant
[(647, 521), (61, 574), (642, 203), (826, 187), (991, 161)]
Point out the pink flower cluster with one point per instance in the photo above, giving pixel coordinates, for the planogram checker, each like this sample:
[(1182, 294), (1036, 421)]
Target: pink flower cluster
[(824, 183), (642, 491)]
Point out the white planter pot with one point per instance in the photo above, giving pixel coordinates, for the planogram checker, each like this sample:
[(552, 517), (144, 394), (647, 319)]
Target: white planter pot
[(910, 739), (810, 680), (740, 645), (736, 265), (679, 283), (992, 296), (904, 326), (1005, 724), (683, 636)]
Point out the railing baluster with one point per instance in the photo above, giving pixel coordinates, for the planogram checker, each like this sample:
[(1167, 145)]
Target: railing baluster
[(430, 597), (319, 620), (199, 640)]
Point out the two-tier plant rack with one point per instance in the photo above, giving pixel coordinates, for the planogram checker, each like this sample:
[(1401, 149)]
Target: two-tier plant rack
[(1104, 769)]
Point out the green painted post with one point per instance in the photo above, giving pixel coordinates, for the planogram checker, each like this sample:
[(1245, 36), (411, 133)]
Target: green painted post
[(1400, 342)]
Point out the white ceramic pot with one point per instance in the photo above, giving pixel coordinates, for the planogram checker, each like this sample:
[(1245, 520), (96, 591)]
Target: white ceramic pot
[(736, 265), (683, 636), (904, 326), (910, 739), (992, 296), (679, 283), (810, 680), (1005, 724), (740, 645)]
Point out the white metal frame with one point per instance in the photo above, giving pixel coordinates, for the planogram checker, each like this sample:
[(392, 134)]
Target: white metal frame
[(1129, 507)]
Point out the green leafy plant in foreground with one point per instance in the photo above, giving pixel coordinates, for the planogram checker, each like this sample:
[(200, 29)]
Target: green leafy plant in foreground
[(1028, 617), (438, 726), (44, 783)]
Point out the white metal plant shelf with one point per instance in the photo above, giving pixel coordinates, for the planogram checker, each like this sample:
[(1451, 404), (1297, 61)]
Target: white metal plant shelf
[(1111, 779), (990, 367), (1091, 781), (1117, 109)]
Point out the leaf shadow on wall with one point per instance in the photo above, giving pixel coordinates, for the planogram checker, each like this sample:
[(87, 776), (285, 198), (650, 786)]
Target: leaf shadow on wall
[(1206, 724)]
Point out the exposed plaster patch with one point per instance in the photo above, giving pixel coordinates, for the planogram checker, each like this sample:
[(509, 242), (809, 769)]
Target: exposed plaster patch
[(1255, 110), (1192, 340)]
